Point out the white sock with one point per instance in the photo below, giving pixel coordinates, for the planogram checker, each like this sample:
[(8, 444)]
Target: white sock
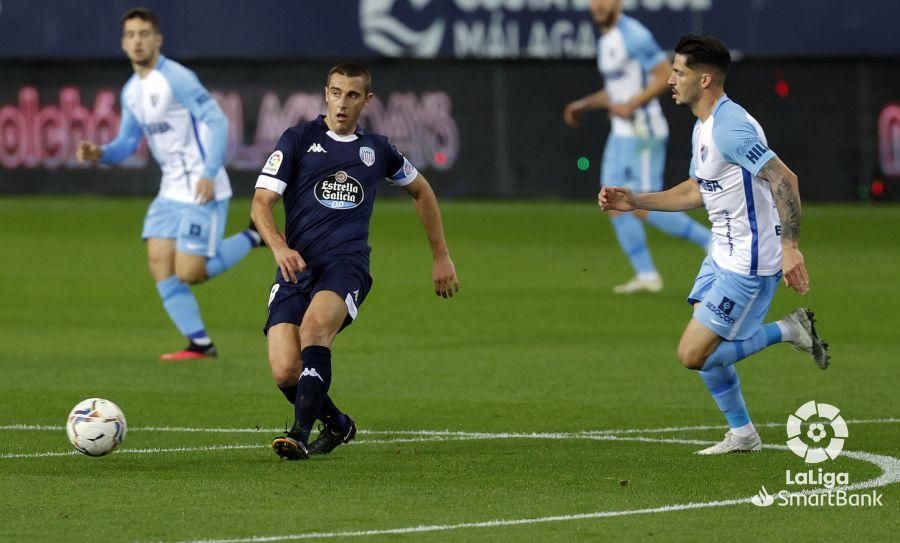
[(746, 430), (648, 276), (202, 341), (787, 333)]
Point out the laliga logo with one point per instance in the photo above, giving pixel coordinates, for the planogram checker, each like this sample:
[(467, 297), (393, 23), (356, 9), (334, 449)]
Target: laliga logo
[(385, 34), (816, 432)]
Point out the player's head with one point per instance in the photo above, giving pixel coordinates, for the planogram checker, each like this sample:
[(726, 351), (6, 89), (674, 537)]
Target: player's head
[(141, 38), (700, 64), (606, 12), (346, 94)]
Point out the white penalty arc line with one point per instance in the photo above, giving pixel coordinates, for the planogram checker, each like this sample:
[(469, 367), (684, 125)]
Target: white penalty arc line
[(613, 431), (889, 466)]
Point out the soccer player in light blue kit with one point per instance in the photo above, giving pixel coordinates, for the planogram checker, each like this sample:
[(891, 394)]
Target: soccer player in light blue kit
[(635, 71), (186, 132), (753, 202)]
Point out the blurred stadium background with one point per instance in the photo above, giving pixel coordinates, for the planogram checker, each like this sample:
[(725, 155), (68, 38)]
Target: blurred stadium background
[(471, 90)]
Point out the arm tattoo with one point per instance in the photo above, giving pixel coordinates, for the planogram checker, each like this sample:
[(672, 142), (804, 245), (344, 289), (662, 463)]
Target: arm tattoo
[(786, 199)]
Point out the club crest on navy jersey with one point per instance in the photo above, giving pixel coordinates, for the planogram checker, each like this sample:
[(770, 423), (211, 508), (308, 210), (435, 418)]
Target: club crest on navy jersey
[(367, 155), (340, 191)]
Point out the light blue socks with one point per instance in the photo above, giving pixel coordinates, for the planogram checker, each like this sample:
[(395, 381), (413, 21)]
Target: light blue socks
[(633, 240), (680, 225), (181, 306)]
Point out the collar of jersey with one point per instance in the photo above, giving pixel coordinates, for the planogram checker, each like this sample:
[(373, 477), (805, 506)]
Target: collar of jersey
[(719, 103), (320, 120)]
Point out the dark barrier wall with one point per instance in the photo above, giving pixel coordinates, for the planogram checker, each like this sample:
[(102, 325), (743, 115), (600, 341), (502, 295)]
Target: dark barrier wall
[(475, 129), (368, 29)]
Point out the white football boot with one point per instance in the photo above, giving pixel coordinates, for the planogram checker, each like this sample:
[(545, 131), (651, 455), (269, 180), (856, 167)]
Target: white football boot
[(734, 444), (640, 284)]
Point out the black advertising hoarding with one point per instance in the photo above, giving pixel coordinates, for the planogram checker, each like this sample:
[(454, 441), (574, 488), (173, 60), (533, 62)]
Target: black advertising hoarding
[(482, 129)]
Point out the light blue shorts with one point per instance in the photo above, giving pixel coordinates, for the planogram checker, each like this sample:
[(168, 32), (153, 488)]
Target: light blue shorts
[(198, 229), (731, 304), (636, 163)]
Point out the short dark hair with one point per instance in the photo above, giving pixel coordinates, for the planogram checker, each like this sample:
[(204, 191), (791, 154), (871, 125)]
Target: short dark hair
[(706, 50), (351, 69), (143, 14)]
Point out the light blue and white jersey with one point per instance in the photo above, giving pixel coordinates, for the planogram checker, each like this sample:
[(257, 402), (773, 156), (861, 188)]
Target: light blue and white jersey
[(729, 150), (185, 129), (626, 54)]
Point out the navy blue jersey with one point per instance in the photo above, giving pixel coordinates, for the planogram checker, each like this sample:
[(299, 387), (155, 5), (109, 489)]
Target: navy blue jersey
[(328, 183)]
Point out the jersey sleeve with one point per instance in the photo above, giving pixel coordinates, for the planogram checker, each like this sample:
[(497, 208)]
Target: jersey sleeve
[(642, 46), (279, 169), (126, 141), (692, 170), (190, 92), (740, 143), (400, 171)]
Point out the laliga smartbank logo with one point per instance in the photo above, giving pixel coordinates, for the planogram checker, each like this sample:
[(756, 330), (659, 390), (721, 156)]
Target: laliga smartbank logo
[(816, 433)]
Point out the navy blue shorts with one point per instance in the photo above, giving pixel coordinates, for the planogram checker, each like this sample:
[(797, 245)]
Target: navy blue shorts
[(348, 277)]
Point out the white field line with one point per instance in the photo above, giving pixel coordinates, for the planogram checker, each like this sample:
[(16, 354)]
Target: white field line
[(889, 466), (890, 474), (616, 431)]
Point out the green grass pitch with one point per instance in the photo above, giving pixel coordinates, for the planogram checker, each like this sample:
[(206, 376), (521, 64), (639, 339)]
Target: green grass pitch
[(535, 343)]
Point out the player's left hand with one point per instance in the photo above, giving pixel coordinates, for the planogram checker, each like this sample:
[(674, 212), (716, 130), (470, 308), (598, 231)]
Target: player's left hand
[(205, 190), (444, 276), (794, 269), (625, 109)]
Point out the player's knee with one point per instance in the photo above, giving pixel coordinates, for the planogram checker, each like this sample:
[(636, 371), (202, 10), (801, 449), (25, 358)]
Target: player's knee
[(691, 357), (314, 333), (284, 374), (191, 275)]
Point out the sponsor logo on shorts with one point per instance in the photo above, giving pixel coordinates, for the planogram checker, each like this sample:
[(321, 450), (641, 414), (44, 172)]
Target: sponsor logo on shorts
[(339, 191), (273, 163), (723, 310)]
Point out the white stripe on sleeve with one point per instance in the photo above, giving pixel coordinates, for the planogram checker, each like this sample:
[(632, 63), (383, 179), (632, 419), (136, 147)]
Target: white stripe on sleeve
[(271, 183)]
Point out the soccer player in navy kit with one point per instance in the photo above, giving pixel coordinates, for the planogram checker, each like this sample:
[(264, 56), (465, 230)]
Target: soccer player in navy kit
[(327, 171)]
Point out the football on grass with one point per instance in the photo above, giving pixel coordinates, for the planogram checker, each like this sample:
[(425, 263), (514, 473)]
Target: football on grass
[(96, 426)]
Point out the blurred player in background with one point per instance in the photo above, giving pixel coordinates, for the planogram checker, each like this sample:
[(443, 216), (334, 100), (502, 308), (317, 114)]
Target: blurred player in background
[(753, 201), (327, 171), (186, 132), (635, 71)]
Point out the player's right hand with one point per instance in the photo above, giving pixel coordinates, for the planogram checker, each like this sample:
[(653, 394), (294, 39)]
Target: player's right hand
[(572, 113), (616, 199), (88, 151), (290, 262)]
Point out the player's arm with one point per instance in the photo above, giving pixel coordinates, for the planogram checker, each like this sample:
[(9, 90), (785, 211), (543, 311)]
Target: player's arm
[(121, 147), (443, 270), (190, 92), (596, 100), (274, 178), (263, 215), (657, 84), (681, 197), (786, 193)]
